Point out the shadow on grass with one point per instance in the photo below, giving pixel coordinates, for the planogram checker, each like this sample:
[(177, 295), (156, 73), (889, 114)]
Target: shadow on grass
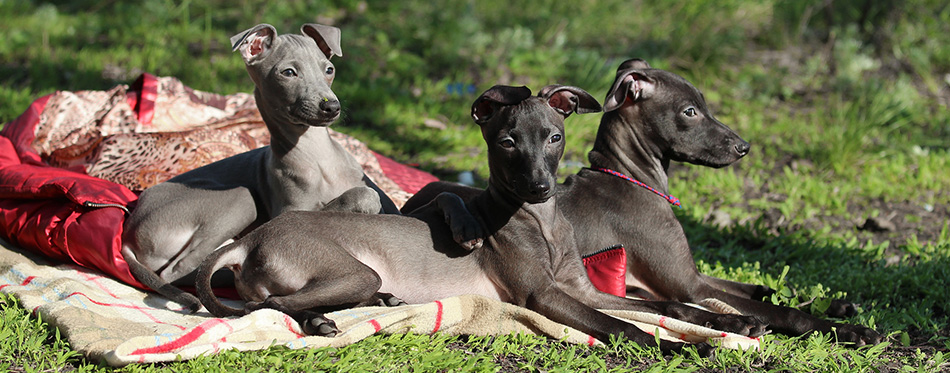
[(908, 296)]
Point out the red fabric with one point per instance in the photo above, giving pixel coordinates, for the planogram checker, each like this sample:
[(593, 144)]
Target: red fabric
[(21, 133), (408, 178), (607, 269), (146, 87), (41, 207)]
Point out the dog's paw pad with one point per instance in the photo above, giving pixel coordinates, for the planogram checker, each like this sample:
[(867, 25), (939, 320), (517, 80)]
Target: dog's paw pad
[(320, 326), (858, 336), (748, 326), (394, 302), (389, 300), (473, 244)]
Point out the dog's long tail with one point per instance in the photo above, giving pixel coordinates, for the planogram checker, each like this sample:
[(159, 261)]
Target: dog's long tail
[(231, 255), (152, 280)]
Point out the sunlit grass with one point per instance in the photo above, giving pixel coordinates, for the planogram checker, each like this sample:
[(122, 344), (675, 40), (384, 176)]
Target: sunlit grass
[(845, 110)]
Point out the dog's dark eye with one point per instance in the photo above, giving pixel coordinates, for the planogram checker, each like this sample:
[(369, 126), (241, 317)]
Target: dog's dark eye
[(689, 112), (507, 143), (330, 70), (288, 73), (556, 138)]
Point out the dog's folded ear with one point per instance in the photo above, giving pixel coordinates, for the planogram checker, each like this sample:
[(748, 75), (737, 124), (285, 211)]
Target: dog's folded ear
[(568, 100), (254, 42), (500, 95), (631, 84), (327, 38)]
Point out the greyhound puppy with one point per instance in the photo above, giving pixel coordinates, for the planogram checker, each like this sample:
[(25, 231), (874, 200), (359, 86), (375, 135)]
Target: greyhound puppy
[(529, 257), (177, 223), (653, 117)]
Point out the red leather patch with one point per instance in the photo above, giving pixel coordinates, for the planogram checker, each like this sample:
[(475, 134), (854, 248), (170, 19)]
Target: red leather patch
[(607, 270)]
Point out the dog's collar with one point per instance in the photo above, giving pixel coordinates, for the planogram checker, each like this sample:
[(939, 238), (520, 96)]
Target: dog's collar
[(672, 200)]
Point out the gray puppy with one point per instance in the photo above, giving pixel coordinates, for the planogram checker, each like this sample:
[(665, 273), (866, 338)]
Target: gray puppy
[(176, 224)]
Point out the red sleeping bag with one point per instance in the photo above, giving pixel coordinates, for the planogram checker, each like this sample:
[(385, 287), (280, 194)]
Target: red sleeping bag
[(70, 163), (57, 212)]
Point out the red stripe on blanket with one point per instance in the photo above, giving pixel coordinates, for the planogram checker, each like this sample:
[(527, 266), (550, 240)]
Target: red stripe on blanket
[(591, 340), (144, 311), (25, 282), (289, 323), (182, 341), (438, 317), (376, 326), (662, 322), (95, 280)]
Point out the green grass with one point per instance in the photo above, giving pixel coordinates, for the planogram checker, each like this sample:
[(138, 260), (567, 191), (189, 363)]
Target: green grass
[(846, 106)]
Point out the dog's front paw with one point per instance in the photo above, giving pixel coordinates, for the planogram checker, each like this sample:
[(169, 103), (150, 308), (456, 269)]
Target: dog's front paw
[(467, 232), (363, 200), (319, 325), (749, 326), (857, 335), (841, 308), (383, 300), (390, 300), (703, 349), (472, 244), (762, 293)]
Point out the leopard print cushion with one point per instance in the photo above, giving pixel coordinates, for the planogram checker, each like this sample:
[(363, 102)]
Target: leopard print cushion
[(100, 133)]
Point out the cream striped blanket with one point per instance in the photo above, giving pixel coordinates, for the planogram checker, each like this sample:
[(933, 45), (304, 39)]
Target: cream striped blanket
[(109, 321)]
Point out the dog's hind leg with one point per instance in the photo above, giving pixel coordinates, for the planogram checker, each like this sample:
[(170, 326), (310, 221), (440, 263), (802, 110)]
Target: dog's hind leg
[(340, 282)]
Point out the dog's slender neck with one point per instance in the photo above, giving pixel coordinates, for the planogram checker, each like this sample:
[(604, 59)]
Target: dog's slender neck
[(508, 220), (494, 208), (621, 145), (299, 146)]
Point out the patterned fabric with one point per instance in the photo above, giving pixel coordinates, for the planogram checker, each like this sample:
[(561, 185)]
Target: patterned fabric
[(142, 135), (108, 321), (70, 163)]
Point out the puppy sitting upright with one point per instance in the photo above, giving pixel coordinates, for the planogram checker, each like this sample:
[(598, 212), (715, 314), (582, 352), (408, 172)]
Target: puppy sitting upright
[(303, 263), (176, 224)]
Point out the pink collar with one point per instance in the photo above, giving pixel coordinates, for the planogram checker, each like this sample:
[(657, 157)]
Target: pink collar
[(672, 200)]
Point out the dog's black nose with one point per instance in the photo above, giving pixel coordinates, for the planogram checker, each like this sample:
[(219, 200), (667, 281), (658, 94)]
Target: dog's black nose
[(540, 189), (330, 107), (743, 148)]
